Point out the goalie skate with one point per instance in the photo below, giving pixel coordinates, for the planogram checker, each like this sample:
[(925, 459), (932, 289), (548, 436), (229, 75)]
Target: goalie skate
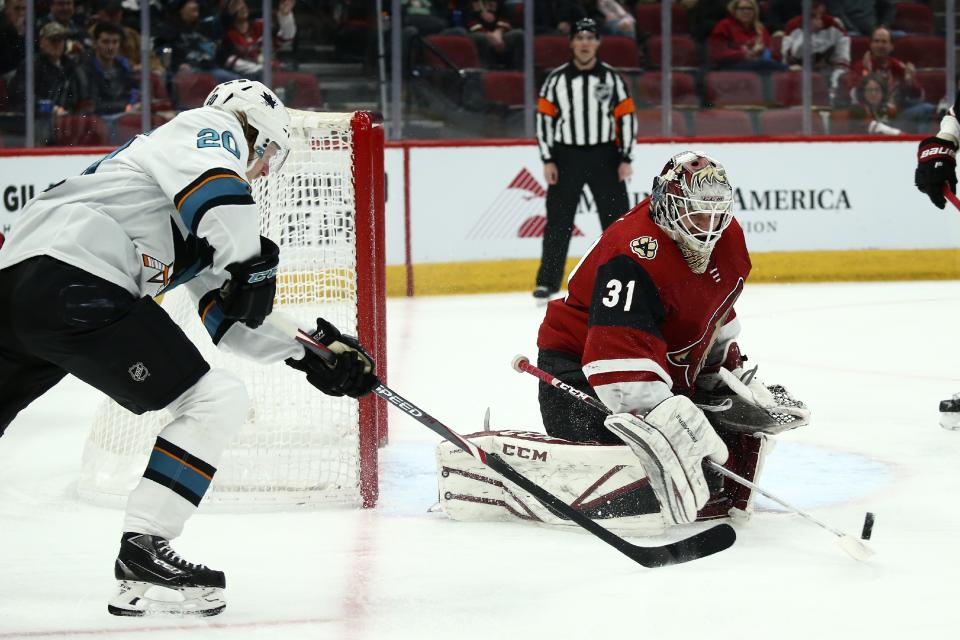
[(155, 580)]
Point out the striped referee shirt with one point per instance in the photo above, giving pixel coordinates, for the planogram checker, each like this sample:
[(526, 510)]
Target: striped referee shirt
[(585, 108)]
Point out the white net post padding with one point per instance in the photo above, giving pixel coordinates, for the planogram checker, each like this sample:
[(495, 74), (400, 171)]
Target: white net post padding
[(298, 446)]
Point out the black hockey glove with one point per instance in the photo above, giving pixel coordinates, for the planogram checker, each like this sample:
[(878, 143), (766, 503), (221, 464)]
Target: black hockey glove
[(352, 375), (936, 166), (248, 295)]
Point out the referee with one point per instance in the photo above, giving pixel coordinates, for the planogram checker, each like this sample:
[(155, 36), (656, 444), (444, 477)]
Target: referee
[(585, 128)]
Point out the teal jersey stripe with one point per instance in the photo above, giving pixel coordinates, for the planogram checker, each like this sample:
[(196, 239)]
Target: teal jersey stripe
[(220, 190), (178, 473)]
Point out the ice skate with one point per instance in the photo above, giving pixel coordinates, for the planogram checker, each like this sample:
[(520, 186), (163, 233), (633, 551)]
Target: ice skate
[(154, 579), (950, 413)]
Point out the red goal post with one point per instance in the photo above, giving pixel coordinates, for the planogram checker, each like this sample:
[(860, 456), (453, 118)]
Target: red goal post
[(298, 447)]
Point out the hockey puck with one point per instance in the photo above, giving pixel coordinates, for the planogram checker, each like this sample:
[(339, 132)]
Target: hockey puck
[(867, 526)]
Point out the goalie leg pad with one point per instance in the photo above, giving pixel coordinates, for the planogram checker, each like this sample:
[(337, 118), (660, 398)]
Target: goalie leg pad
[(604, 482)]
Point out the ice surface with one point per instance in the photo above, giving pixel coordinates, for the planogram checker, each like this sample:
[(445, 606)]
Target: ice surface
[(870, 360)]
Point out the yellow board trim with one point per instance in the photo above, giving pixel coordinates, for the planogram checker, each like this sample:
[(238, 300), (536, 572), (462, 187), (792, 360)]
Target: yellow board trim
[(781, 267)]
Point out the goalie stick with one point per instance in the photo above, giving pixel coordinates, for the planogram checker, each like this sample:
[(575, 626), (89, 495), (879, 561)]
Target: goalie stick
[(850, 544), (705, 543)]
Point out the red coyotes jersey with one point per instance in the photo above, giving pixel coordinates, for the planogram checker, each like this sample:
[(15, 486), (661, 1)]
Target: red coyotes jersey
[(636, 314)]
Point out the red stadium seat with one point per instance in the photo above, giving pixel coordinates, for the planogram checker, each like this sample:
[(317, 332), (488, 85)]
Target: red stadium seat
[(934, 85), (503, 87), (300, 90), (786, 122), (460, 50), (649, 123), (776, 44), (159, 98), (648, 19), (727, 88), (859, 45), (913, 17), (619, 51), (80, 131), (549, 52), (922, 51), (683, 89), (192, 88), (721, 122), (683, 51), (788, 89), (128, 125)]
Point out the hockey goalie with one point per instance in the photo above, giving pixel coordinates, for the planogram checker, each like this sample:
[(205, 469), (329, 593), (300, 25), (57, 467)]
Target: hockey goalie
[(648, 328)]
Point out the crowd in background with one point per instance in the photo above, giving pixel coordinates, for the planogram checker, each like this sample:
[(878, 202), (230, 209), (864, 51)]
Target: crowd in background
[(87, 52)]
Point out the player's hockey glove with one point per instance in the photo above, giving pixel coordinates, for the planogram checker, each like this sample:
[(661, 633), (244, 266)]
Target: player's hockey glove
[(352, 375), (936, 166), (248, 295)]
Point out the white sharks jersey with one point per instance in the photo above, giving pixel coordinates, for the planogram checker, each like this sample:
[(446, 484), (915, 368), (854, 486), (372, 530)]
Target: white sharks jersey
[(154, 212), (164, 209)]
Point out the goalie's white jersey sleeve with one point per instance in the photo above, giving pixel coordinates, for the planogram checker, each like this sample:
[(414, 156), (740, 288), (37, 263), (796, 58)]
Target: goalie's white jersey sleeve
[(153, 213)]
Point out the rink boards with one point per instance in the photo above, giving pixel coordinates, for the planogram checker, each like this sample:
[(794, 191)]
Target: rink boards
[(469, 216)]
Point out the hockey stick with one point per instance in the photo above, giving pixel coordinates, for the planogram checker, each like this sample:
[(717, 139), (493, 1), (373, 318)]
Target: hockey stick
[(853, 546), (951, 196), (703, 544)]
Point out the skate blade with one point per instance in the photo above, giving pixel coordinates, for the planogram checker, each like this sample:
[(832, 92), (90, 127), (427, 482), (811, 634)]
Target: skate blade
[(145, 599)]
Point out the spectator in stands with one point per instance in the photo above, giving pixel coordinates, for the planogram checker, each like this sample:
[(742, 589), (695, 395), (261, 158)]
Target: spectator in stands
[(243, 43), (872, 112), (556, 17), (740, 41), (112, 11), (426, 17), (899, 80), (192, 42), (498, 43), (112, 82), (779, 13), (13, 24), (704, 16), (59, 84), (64, 13), (617, 20), (830, 44), (861, 17)]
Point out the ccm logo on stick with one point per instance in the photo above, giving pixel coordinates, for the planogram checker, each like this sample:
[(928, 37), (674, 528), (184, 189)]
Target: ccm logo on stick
[(524, 452)]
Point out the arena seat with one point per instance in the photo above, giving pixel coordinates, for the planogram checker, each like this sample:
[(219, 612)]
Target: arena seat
[(788, 89), (934, 85), (503, 87), (620, 52), (192, 88), (733, 88), (648, 19), (549, 52), (683, 90), (460, 50), (649, 123), (923, 51), (786, 122), (683, 52), (80, 130), (722, 122), (913, 17), (301, 89), (128, 125)]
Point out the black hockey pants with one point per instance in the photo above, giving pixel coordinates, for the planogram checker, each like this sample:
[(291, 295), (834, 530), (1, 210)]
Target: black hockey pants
[(576, 166), (57, 319)]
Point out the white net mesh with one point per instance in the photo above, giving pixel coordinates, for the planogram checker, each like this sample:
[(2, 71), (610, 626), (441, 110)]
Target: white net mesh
[(298, 446)]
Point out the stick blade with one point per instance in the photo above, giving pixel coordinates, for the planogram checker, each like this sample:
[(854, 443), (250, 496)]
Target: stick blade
[(706, 543), (855, 548)]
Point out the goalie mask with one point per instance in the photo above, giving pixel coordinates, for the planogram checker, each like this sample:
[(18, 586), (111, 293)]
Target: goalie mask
[(692, 201), (263, 111)]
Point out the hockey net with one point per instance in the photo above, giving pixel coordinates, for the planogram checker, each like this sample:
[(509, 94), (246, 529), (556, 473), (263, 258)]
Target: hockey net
[(324, 209)]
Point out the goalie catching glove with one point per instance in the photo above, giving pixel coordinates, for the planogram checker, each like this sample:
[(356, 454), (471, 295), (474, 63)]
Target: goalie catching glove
[(671, 442), (352, 375)]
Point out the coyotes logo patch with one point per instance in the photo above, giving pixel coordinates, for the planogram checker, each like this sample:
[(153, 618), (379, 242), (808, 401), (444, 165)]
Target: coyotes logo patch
[(645, 247)]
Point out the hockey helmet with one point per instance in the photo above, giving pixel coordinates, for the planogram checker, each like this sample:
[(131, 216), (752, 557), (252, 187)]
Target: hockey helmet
[(692, 200), (263, 111)]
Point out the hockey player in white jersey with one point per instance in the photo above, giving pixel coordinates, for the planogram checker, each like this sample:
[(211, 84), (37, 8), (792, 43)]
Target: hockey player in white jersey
[(78, 276)]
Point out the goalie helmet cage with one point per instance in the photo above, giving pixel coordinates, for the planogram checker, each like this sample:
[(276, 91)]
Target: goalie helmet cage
[(324, 209)]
